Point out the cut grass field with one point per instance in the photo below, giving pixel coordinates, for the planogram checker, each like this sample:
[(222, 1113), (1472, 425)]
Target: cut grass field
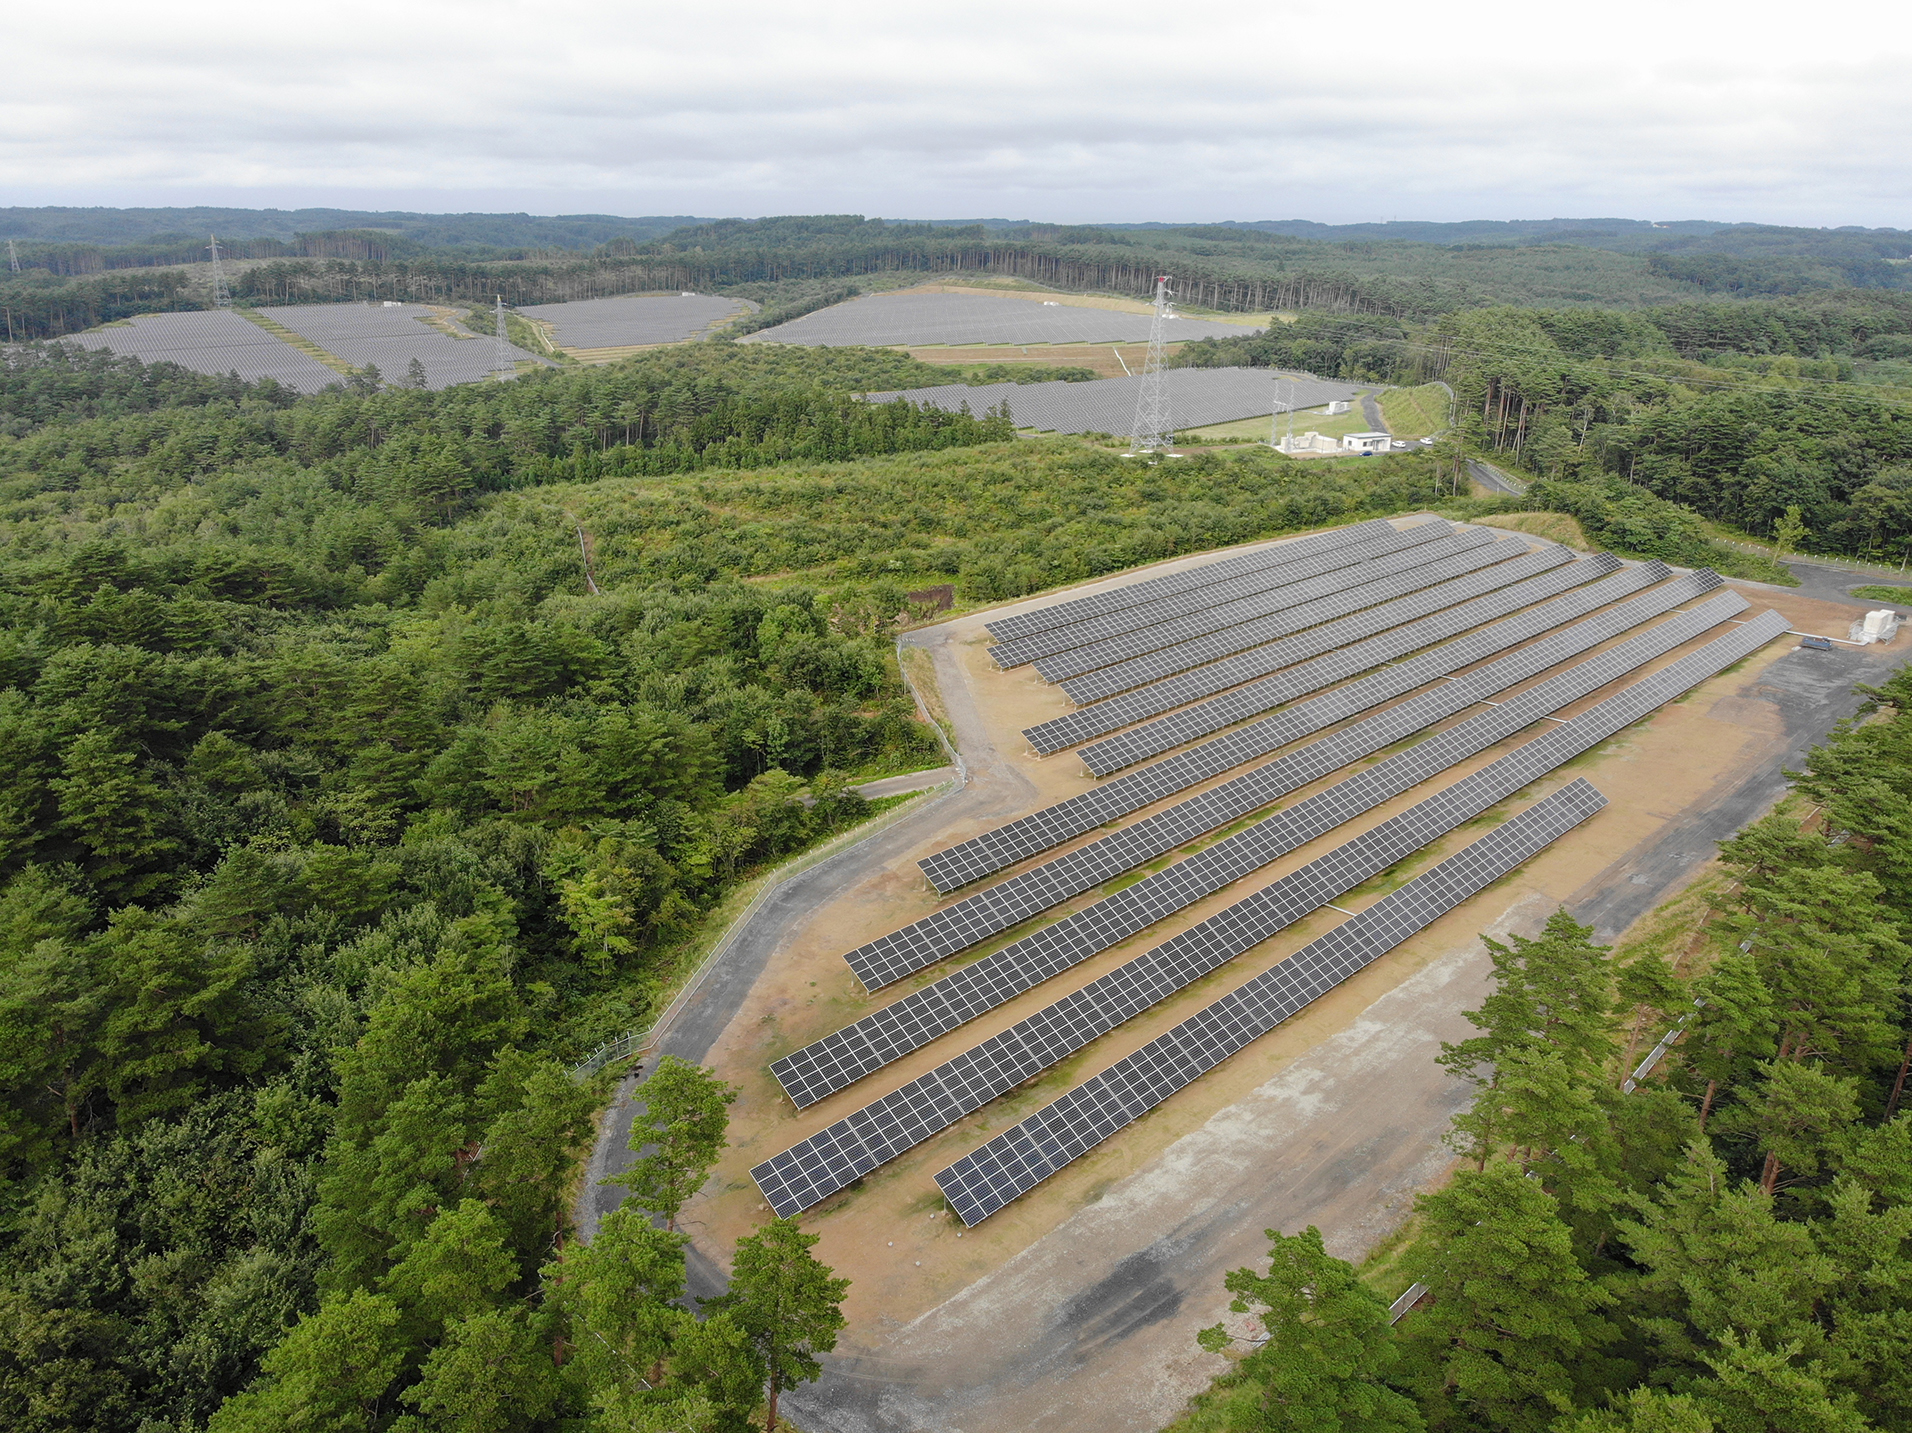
[(1415, 412), (297, 340), (1307, 420)]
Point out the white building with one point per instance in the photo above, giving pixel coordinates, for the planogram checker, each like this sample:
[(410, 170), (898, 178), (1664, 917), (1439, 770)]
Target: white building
[(1366, 442)]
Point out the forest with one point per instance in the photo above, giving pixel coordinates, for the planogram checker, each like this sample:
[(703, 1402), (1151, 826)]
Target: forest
[(376, 755), (1736, 412), (1724, 1246)]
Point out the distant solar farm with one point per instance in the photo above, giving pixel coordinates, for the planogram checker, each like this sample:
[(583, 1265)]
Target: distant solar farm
[(386, 336), (1197, 397), (920, 319)]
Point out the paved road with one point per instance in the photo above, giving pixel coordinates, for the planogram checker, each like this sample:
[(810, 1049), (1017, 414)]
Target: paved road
[(994, 792), (1493, 479), (1371, 410), (1835, 584), (1813, 692)]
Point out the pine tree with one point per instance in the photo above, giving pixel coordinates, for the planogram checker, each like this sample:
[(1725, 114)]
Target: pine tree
[(1513, 1313), (787, 1304), (1327, 1351), (683, 1126)]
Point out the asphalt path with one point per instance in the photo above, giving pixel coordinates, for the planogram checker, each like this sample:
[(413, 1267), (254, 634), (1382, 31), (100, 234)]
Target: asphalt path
[(1371, 410), (993, 791), (1493, 479)]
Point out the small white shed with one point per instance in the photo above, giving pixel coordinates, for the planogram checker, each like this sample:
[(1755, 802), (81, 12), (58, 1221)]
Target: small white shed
[(1366, 442)]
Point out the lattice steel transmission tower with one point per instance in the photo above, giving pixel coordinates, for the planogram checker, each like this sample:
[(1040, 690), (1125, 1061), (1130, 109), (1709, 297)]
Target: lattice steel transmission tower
[(221, 295), (13, 256), (1153, 429), (501, 361)]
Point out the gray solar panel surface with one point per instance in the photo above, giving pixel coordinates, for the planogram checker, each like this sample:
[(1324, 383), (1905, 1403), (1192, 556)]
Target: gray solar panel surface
[(859, 1142), (1154, 589), (1136, 907), (920, 319), (826, 1065), (391, 338), (1009, 843), (214, 342), (1018, 1159), (1362, 628), (1262, 580), (817, 1167), (633, 319), (1196, 398), (1456, 611), (1249, 921), (1393, 577)]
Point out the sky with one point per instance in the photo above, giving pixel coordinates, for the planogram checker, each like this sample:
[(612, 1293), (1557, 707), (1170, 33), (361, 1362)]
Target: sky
[(1201, 111)]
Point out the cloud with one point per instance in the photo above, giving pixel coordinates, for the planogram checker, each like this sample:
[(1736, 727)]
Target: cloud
[(1207, 110)]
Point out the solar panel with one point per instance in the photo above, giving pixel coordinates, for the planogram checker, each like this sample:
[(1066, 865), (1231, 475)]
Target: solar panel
[(859, 1142), (923, 1015), (1196, 398), (1372, 630), (1081, 609), (1154, 666), (1250, 921), (1097, 807), (1114, 713), (215, 341), (960, 319), (1284, 605), (632, 319), (1264, 579), (1020, 1158), (1451, 616), (1116, 917)]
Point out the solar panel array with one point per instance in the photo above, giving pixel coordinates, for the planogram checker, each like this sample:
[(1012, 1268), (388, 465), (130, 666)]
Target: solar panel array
[(633, 319), (1262, 580), (817, 1167), (824, 1066), (1455, 609), (1172, 640), (1154, 589), (214, 342), (1102, 804), (1197, 397), (1358, 627), (1119, 916), (1020, 1158), (858, 1143), (390, 338), (920, 318)]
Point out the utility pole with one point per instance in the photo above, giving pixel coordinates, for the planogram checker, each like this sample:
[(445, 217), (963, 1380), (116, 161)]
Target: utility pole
[(1153, 429), (221, 295), (501, 362)]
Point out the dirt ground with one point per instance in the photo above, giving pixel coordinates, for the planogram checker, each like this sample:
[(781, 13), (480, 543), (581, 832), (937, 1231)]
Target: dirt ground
[(1052, 1263)]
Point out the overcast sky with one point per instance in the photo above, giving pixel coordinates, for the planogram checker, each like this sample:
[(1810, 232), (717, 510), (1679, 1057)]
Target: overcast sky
[(1070, 111)]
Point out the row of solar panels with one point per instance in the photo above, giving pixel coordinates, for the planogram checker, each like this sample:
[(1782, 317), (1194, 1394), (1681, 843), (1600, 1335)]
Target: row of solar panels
[(852, 1146), (943, 318), (222, 341), (1197, 397), (817, 1167)]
